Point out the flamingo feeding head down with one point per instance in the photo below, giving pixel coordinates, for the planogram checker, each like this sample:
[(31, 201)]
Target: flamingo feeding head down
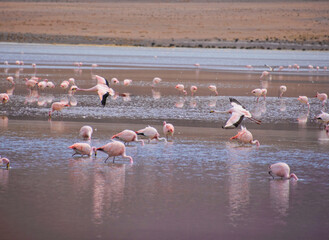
[(57, 106), (113, 149), (180, 88), (82, 149), (322, 97), (86, 132), (304, 100), (127, 136), (282, 90), (150, 133), (238, 112), (193, 90), (245, 136), (259, 92), (213, 88), (5, 161), (282, 170)]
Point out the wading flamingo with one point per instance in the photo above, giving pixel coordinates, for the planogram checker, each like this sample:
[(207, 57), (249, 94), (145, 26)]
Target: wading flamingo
[(65, 84), (282, 90), (86, 132), (304, 100), (156, 81), (115, 81), (82, 149), (213, 88), (259, 92), (322, 97), (150, 133), (180, 88), (102, 88), (323, 117), (245, 136), (11, 80), (113, 149), (127, 82), (57, 106), (168, 129), (4, 97), (30, 83), (264, 74), (127, 136), (5, 161), (193, 90), (282, 170), (238, 112)]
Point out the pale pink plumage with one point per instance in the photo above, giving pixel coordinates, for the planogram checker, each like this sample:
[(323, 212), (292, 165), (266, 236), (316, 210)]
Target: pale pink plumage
[(57, 106), (322, 97), (245, 136), (213, 88), (150, 133), (282, 170), (113, 149), (180, 88), (82, 149), (4, 97), (128, 136), (168, 129), (86, 132)]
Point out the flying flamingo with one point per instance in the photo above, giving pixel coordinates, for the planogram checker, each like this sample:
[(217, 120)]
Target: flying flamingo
[(259, 92), (282, 90), (282, 170), (82, 149), (5, 161), (238, 112), (193, 90), (213, 88), (322, 97), (180, 87), (127, 136), (11, 80), (245, 136), (86, 132), (113, 149), (57, 106), (304, 100), (168, 129), (150, 133), (102, 88), (4, 97)]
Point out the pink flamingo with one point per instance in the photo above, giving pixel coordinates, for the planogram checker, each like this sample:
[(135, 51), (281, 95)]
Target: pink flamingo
[(180, 88), (11, 80), (128, 136), (249, 67), (102, 88), (238, 112), (5, 161), (282, 170), (213, 88), (127, 82), (30, 83), (259, 92), (4, 97), (43, 84), (50, 84), (57, 106), (156, 81), (168, 129), (113, 149), (323, 117), (150, 133), (264, 74), (65, 84), (322, 97), (115, 81), (193, 90), (282, 90), (82, 149), (72, 81), (245, 136), (86, 132), (304, 100)]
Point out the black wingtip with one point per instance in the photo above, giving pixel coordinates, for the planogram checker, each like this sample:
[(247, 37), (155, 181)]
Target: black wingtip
[(104, 98), (107, 82), (235, 101)]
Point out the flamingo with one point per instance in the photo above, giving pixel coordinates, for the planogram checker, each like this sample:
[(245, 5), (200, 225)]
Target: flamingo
[(249, 67), (282, 170), (82, 149), (50, 84), (271, 69), (115, 81), (180, 87), (72, 81), (193, 90), (86, 132), (213, 88), (31, 83), (322, 97), (323, 117), (11, 80), (57, 106), (113, 149), (304, 100), (5, 161), (33, 65), (43, 84), (127, 136), (150, 133), (264, 74), (259, 92), (65, 84), (168, 129), (156, 81), (102, 88), (282, 90), (245, 136), (127, 82), (238, 112), (4, 97)]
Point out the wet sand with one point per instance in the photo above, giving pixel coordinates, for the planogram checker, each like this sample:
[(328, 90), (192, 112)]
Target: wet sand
[(269, 25)]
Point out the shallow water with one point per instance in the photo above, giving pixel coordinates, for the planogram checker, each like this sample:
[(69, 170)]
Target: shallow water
[(199, 185)]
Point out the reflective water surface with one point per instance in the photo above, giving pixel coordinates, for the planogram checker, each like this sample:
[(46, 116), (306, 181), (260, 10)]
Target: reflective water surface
[(200, 185)]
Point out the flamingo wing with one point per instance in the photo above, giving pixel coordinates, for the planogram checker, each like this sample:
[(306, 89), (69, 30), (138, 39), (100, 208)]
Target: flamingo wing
[(234, 121), (101, 80), (236, 103)]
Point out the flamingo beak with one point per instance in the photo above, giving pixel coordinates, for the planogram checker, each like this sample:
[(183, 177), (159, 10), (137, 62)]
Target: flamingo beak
[(212, 111), (8, 164), (95, 153)]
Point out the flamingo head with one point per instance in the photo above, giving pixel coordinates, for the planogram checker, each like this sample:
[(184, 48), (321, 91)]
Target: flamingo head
[(5, 161), (94, 150), (293, 176), (164, 123)]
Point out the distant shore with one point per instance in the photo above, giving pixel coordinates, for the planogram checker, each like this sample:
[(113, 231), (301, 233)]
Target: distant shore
[(246, 25)]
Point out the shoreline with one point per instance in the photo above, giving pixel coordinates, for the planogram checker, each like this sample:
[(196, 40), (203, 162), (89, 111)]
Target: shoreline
[(184, 43)]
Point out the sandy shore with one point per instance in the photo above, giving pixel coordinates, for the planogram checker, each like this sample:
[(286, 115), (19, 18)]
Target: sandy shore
[(297, 25)]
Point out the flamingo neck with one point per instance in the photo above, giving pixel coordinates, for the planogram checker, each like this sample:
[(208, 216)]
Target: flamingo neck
[(293, 176), (256, 142)]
